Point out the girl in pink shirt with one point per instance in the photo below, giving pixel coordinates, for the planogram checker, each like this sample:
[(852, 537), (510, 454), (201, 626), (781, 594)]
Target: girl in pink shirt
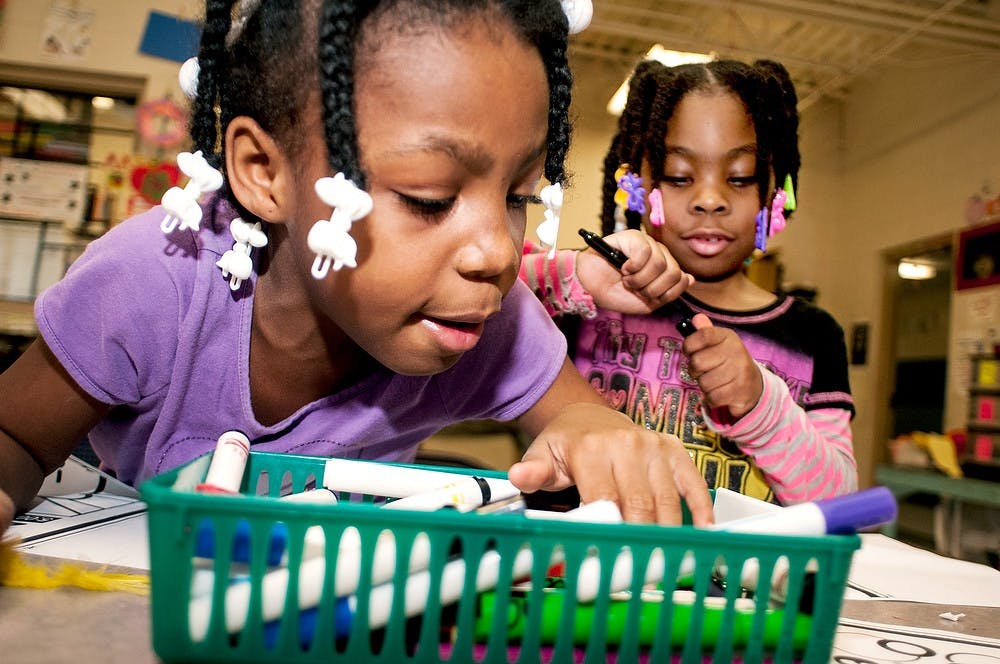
[(705, 162)]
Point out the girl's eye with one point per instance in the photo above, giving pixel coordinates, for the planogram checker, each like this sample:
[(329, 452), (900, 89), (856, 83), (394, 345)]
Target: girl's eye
[(520, 201), (427, 207), (748, 181), (676, 180)]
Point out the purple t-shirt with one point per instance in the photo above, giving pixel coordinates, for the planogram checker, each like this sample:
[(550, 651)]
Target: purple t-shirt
[(147, 323)]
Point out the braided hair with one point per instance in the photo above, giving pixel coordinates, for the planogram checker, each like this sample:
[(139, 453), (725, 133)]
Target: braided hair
[(269, 71), (764, 87)]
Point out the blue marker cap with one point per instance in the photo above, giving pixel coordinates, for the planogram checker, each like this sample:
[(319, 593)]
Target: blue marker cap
[(857, 511), (205, 542)]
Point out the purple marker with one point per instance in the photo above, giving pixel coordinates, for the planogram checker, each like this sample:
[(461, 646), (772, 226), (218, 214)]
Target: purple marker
[(841, 515)]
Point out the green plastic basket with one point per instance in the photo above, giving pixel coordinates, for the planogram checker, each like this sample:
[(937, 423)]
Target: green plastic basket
[(491, 623)]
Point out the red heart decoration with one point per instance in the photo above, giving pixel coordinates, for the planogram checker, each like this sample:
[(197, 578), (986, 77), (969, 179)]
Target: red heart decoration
[(153, 181)]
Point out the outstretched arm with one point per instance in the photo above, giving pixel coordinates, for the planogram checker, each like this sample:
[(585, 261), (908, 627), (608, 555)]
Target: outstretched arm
[(574, 281), (581, 440), (43, 415)]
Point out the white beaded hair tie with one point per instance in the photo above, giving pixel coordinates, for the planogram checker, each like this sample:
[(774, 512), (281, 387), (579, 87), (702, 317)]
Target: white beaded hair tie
[(578, 13), (236, 263), (331, 239), (548, 230), (181, 204)]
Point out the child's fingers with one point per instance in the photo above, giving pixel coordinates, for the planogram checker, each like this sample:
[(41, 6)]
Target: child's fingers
[(701, 321), (536, 472)]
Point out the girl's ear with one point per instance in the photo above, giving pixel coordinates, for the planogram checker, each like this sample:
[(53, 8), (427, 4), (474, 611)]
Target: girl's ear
[(259, 174)]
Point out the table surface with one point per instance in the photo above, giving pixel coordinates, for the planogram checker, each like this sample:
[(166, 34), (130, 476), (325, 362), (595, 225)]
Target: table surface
[(901, 479), (112, 627)]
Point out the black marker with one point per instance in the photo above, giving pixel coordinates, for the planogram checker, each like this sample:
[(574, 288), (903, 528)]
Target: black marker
[(609, 253), (616, 258)]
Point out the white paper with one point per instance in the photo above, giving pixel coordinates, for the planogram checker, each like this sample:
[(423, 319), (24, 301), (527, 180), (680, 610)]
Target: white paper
[(86, 515)]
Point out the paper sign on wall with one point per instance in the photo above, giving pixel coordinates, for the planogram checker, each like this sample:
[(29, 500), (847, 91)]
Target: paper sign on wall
[(35, 189)]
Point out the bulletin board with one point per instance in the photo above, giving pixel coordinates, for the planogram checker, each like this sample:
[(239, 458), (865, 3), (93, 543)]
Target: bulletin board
[(33, 189)]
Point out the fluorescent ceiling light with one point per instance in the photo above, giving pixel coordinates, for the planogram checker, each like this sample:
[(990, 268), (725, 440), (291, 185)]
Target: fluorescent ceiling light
[(102, 103), (912, 269), (667, 57)]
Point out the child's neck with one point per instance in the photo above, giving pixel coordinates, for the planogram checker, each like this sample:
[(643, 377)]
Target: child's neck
[(296, 355), (734, 293)]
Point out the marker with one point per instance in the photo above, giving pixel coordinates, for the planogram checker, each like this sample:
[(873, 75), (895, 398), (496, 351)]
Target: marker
[(554, 602), (841, 515), (312, 571), (415, 595), (373, 478), (617, 259), (229, 461), (464, 494), (203, 566)]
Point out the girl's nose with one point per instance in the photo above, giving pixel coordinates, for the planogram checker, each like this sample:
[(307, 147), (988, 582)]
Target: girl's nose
[(708, 199), (490, 250)]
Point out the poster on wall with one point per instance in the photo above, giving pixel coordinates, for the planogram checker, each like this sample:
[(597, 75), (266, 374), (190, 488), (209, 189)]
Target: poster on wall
[(66, 32), (32, 189), (978, 260)]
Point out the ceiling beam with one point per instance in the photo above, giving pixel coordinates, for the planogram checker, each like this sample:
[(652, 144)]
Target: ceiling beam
[(898, 42), (984, 34)]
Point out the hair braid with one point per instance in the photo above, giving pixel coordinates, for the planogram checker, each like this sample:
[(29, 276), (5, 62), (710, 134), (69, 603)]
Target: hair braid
[(785, 157), (338, 26), (560, 87), (211, 62), (632, 142)]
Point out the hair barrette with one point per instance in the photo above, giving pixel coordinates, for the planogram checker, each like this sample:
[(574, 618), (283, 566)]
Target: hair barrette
[(180, 203), (789, 188), (777, 221), (331, 239), (656, 217), (548, 230), (578, 14), (760, 233), (630, 195), (236, 263)]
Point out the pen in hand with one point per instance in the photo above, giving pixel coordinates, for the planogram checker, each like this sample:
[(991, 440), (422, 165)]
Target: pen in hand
[(617, 259)]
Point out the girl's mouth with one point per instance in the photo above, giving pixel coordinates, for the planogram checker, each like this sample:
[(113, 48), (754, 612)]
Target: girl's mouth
[(453, 336), (708, 245)]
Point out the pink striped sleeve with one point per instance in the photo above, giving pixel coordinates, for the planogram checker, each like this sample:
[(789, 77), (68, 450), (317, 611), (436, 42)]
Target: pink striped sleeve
[(554, 282), (804, 455)]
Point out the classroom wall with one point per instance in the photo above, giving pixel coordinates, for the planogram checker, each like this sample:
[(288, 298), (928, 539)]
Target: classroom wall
[(116, 32), (917, 142)]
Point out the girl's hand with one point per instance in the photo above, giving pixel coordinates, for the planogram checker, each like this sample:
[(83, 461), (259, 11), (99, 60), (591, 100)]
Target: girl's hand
[(609, 457), (649, 278), (727, 375)]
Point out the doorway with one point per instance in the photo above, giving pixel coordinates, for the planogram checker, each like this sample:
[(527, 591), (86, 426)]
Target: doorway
[(916, 322), (921, 285)]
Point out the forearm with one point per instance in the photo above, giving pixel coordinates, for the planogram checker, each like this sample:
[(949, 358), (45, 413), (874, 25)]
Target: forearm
[(20, 474), (804, 455), (555, 284), (569, 388)]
